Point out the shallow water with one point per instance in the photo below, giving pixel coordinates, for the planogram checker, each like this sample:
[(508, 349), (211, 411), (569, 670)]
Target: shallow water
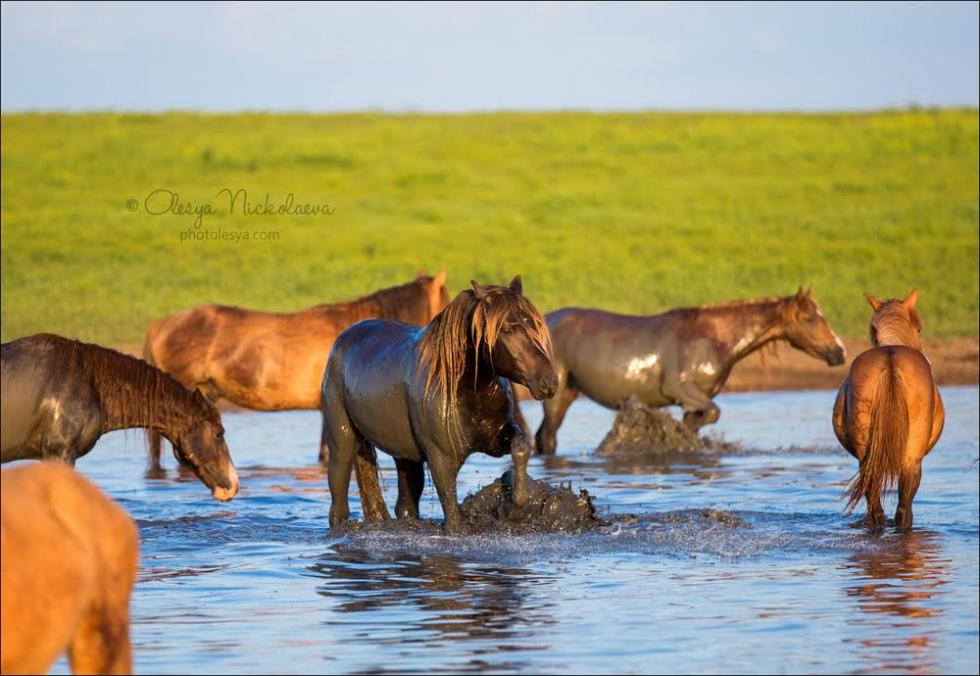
[(742, 562)]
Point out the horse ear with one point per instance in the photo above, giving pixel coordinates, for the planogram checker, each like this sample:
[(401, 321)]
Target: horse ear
[(809, 291), (911, 299), (800, 294), (872, 301), (199, 396), (516, 285), (478, 291), (441, 278)]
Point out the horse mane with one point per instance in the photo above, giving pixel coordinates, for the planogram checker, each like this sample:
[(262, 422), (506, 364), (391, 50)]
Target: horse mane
[(470, 322), (391, 301), (130, 389)]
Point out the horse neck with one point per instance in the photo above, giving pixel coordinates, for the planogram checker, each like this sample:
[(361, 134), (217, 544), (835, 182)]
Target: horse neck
[(743, 329), (145, 399), (895, 331)]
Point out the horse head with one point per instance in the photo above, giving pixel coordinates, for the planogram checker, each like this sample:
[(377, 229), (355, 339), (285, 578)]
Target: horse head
[(807, 329), (896, 321), (201, 447)]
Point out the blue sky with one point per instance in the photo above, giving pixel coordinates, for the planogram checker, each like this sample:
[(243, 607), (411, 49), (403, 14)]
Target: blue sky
[(488, 56)]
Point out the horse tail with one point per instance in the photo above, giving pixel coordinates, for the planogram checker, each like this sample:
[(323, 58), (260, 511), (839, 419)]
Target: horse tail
[(888, 432)]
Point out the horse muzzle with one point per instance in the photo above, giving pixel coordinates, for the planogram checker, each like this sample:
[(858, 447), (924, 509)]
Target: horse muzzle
[(544, 387), (835, 356), (225, 494)]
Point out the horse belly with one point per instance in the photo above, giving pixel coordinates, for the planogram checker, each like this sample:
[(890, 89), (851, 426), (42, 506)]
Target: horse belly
[(382, 418), (611, 382), (20, 413)]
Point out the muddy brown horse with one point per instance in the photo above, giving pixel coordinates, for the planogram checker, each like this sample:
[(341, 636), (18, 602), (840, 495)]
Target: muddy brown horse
[(273, 361), (681, 357), (888, 413), (69, 563), (61, 395), (432, 395)]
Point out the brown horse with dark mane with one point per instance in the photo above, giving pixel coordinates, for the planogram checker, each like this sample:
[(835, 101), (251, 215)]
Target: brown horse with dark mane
[(61, 395), (69, 563), (273, 361), (681, 357), (433, 395), (888, 413)]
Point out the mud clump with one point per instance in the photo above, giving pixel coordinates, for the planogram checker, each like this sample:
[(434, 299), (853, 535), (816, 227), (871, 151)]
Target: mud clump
[(640, 429), (548, 509)]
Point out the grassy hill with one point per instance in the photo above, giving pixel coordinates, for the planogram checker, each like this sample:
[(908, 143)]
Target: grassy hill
[(632, 212)]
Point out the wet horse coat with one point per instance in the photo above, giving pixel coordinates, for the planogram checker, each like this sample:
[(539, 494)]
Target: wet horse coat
[(60, 395), (681, 357), (432, 395), (273, 361)]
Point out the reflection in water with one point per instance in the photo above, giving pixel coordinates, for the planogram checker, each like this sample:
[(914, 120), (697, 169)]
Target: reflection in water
[(460, 601), (896, 586)]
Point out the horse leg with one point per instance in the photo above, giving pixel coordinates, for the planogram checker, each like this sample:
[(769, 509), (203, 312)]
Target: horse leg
[(343, 446), (908, 485), (698, 408), (101, 644), (411, 481), (876, 515), (154, 442), (372, 499), (546, 439), (444, 471)]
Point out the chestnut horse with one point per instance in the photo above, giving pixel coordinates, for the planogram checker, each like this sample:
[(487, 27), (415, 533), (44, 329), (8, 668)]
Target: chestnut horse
[(271, 361), (432, 395), (681, 357), (888, 412), (69, 558), (59, 396)]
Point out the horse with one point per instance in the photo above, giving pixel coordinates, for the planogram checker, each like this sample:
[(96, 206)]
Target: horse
[(888, 413), (69, 563), (61, 395), (681, 357), (272, 361), (432, 395)]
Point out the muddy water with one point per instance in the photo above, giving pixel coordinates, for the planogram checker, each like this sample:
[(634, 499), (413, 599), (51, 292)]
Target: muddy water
[(741, 562)]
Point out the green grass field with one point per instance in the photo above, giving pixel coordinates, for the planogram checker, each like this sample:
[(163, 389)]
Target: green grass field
[(631, 212)]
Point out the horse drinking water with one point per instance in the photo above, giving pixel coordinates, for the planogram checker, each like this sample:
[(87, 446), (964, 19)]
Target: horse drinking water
[(432, 395), (60, 396), (681, 357), (888, 413)]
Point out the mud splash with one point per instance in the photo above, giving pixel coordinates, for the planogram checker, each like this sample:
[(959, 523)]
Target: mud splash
[(639, 429), (549, 509)]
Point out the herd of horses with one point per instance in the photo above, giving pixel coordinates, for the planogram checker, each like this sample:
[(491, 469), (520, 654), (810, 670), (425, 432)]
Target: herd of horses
[(406, 371)]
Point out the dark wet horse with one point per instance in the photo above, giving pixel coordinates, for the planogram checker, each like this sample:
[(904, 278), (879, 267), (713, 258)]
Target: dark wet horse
[(681, 357), (59, 396), (434, 394)]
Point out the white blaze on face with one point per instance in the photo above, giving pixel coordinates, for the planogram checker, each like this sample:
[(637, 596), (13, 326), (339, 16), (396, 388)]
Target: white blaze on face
[(638, 365)]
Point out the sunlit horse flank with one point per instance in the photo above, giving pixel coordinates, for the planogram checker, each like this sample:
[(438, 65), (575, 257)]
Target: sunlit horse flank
[(680, 357), (60, 395), (432, 395), (69, 560), (888, 413), (273, 361)]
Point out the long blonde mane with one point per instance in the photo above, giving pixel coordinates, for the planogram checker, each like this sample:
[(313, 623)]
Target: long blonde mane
[(469, 321)]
